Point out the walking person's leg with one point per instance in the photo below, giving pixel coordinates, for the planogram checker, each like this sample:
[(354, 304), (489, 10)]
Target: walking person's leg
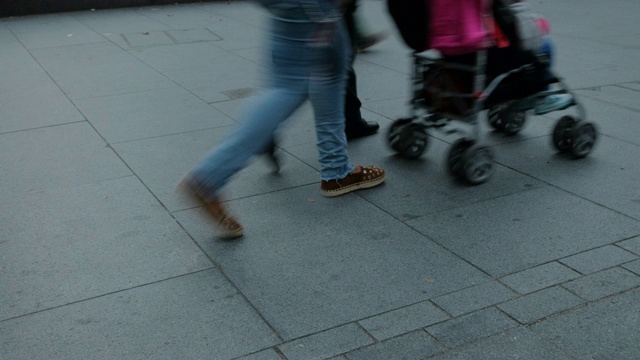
[(327, 93)]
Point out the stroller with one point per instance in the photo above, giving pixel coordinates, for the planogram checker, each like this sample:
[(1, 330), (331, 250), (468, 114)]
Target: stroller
[(452, 85)]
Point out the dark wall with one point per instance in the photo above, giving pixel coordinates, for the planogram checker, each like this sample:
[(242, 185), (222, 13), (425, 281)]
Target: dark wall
[(29, 7)]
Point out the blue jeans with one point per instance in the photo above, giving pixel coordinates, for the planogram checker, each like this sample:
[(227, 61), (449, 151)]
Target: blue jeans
[(300, 69)]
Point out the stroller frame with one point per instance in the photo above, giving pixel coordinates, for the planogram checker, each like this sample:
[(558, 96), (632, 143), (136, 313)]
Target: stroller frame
[(457, 112)]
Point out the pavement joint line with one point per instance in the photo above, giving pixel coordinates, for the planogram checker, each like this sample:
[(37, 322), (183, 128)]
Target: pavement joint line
[(107, 294)]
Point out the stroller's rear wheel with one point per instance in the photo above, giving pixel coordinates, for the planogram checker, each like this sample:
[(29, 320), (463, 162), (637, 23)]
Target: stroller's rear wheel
[(505, 119), (583, 138), (562, 139), (407, 138)]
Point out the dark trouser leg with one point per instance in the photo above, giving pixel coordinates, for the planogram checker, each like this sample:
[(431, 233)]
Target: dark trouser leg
[(352, 104)]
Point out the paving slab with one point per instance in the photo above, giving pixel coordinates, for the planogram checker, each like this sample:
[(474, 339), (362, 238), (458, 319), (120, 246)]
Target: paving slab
[(57, 30), (602, 330), (148, 114), (403, 320), (518, 343), (523, 233), (618, 95), (98, 69), (604, 283), (306, 272), (196, 316), (57, 156), (598, 259), (474, 298), (632, 245), (538, 305), (20, 71), (539, 277), (67, 245), (327, 343), (607, 177), (36, 107), (413, 346), (471, 327)]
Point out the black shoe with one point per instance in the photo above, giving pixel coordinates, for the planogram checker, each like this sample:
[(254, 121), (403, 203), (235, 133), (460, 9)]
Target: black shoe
[(272, 158), (365, 128)]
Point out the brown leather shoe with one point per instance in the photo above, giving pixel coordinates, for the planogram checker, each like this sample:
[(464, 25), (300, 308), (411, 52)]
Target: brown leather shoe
[(367, 177), (229, 227)]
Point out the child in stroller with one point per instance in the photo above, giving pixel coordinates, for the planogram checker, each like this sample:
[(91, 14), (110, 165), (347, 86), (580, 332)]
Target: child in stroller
[(483, 64)]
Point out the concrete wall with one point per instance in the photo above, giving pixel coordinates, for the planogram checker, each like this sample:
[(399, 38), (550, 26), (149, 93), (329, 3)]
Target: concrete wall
[(28, 7)]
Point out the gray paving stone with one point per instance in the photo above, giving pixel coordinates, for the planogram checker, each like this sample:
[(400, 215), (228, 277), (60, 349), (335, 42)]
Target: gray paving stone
[(195, 316), (193, 35), (99, 69), (598, 178), (58, 156), (146, 114), (518, 343), (147, 39), (327, 343), (541, 304), (210, 82), (631, 85), (612, 120), (19, 71), (416, 345), (53, 30), (269, 354), (474, 298), (598, 259), (403, 320), (604, 283), (602, 330), (539, 277), (36, 107), (161, 162), (66, 245), (522, 230), (471, 327), (167, 58), (614, 94), (119, 21), (319, 273), (632, 245), (633, 266)]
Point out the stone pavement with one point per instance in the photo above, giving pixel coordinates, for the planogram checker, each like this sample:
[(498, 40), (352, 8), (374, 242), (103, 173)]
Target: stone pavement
[(102, 112)]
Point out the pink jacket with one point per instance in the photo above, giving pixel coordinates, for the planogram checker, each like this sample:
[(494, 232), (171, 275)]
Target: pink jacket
[(458, 26)]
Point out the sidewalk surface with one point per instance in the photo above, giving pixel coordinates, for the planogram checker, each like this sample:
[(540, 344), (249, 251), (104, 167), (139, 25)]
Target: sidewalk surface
[(102, 112)]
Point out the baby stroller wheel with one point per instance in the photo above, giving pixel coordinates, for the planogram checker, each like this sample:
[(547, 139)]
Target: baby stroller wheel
[(505, 119), (394, 134), (583, 138), (407, 138), (562, 139), (478, 164), (455, 162)]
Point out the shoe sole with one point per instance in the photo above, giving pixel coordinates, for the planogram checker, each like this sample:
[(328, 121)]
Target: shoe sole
[(353, 187)]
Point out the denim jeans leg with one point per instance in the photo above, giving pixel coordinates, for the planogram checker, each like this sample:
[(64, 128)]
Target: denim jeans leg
[(327, 93), (263, 116)]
